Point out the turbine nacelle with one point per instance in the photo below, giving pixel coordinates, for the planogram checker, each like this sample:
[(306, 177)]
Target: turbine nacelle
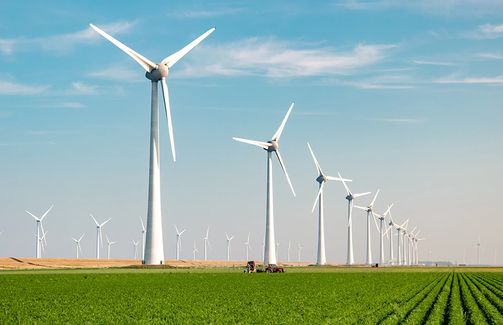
[(273, 146), (321, 179), (158, 73)]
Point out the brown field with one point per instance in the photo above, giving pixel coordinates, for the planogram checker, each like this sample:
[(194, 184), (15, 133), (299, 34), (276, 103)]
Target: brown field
[(21, 263)]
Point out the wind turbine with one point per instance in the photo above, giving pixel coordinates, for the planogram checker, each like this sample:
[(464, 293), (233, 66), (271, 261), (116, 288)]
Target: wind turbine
[(110, 243), (178, 242), (99, 235), (206, 242), (399, 242), (247, 245), (404, 233), (299, 250), (155, 72), (77, 241), (143, 232), (194, 251), (135, 244), (350, 197), (40, 227), (370, 214), (382, 232), (288, 252), (271, 146), (229, 238), (478, 251), (321, 258)]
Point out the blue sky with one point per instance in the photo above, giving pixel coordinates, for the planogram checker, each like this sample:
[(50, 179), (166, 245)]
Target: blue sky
[(397, 95)]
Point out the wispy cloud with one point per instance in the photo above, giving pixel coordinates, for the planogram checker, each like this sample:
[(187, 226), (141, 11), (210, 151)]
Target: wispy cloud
[(15, 88), (382, 82), (486, 31), (81, 88), (498, 80), (491, 56), (396, 120), (118, 72), (205, 13), (427, 62), (60, 42), (274, 58), (430, 7)]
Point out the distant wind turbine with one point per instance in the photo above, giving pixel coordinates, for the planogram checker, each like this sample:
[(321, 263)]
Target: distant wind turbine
[(178, 242), (99, 235), (77, 242), (135, 245), (143, 233), (194, 251), (271, 146), (382, 232), (370, 215), (155, 72), (247, 246), (299, 250), (350, 197), (206, 243), (321, 258), (109, 245), (40, 228), (229, 238)]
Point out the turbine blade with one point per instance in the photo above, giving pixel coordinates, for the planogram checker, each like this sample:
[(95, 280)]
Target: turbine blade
[(142, 224), (167, 110), (375, 197), (96, 222), (173, 58), (361, 194), (43, 232), (140, 59), (318, 168), (375, 221), (207, 232), (182, 232), (280, 159), (332, 178), (31, 214), (320, 192), (104, 223), (388, 210), (81, 237), (177, 232), (46, 212), (260, 144), (277, 135), (344, 183), (360, 207)]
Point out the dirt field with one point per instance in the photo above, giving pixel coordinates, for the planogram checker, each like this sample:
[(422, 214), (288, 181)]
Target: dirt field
[(14, 263)]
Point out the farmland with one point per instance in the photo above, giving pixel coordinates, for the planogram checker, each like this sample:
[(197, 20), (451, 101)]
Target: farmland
[(311, 295)]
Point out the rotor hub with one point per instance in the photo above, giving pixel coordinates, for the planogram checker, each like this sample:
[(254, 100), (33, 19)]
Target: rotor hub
[(320, 179), (158, 73), (273, 146), (349, 197)]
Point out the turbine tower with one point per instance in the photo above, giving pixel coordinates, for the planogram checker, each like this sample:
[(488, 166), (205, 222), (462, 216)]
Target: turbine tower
[(382, 233), (194, 251), (143, 233), (178, 242), (155, 72), (321, 258), (271, 146), (206, 242), (40, 228), (135, 245), (99, 235), (370, 214), (110, 243), (288, 252), (350, 197), (229, 238), (247, 245), (77, 241), (299, 250)]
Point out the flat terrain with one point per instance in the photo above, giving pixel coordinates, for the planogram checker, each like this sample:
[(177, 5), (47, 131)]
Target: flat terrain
[(226, 295)]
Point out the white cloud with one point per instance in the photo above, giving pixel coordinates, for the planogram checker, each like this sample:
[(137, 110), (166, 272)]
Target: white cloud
[(61, 42), (14, 88), (81, 88), (491, 56), (119, 72), (498, 80), (71, 105), (280, 59), (486, 31), (205, 13), (395, 120), (382, 82), (426, 62)]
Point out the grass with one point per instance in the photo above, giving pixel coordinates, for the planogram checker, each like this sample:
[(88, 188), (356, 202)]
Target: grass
[(301, 295)]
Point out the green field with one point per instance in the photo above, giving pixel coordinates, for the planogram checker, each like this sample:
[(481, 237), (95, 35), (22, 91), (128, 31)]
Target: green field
[(306, 295)]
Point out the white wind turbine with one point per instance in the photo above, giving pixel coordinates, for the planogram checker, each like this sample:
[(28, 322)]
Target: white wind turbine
[(370, 214), (155, 72), (206, 243), (382, 232), (288, 252), (410, 254), (247, 246), (229, 238), (43, 244), (399, 245), (321, 258), (194, 251), (109, 244), (77, 242), (350, 197), (391, 224), (178, 242), (299, 250), (404, 233), (271, 146), (135, 245), (143, 233), (99, 235), (40, 228)]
